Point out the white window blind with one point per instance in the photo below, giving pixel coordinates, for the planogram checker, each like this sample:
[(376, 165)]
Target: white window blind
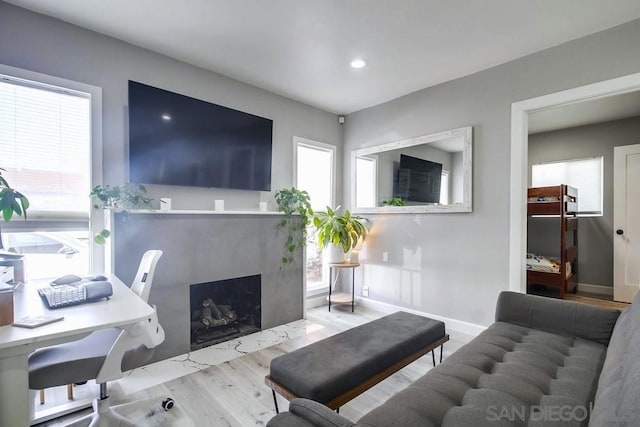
[(584, 174), (45, 147)]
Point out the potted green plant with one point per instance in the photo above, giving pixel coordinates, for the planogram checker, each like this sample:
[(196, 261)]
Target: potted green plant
[(343, 231), (127, 196), (292, 201), (394, 201), (11, 201)]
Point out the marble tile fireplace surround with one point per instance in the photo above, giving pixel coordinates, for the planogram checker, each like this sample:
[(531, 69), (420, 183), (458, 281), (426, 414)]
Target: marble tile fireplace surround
[(202, 247)]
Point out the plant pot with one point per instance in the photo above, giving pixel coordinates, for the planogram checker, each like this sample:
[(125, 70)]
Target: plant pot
[(336, 255)]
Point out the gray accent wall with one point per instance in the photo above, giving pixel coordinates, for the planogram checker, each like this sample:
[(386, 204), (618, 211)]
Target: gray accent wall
[(200, 248), (46, 45), (455, 265), (595, 234)]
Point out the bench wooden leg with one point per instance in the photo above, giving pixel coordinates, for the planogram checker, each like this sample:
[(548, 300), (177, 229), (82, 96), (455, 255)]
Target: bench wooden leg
[(337, 410), (433, 356), (441, 345), (275, 401)]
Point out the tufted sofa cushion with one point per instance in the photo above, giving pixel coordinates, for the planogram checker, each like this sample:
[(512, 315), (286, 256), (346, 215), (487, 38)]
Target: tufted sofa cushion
[(617, 401), (499, 378)]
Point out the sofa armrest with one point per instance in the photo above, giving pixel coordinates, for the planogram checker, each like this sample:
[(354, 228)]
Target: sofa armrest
[(561, 317), (318, 414)]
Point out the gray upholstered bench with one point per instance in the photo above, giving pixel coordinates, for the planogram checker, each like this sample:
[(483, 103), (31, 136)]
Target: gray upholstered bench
[(339, 368)]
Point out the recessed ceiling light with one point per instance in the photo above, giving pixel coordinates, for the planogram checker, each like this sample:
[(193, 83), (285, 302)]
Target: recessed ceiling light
[(166, 117), (358, 63)]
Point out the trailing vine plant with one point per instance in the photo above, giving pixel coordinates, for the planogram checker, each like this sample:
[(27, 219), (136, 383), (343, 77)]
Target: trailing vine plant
[(127, 196), (292, 201)]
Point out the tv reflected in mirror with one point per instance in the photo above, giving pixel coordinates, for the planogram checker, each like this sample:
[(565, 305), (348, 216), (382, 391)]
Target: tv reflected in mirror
[(417, 180)]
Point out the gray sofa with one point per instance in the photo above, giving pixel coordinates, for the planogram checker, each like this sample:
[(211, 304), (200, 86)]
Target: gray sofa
[(543, 362)]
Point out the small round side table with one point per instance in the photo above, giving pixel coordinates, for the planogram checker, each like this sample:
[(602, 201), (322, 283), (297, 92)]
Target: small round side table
[(341, 297)]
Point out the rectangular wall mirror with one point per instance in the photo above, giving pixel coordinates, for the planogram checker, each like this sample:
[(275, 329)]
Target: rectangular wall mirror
[(430, 173)]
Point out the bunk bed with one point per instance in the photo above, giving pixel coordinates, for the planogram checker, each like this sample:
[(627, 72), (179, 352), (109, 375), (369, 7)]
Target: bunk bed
[(557, 201)]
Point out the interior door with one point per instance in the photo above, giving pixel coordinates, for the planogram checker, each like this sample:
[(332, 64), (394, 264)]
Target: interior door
[(626, 222)]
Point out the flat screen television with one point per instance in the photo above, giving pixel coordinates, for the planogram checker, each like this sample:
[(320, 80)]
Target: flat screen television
[(178, 140), (418, 180)]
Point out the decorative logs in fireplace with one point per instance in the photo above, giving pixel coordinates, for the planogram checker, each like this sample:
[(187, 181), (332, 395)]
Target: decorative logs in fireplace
[(224, 310), (213, 315), (212, 323)]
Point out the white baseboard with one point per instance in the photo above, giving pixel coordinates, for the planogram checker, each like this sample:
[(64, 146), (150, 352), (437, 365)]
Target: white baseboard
[(466, 328), (596, 289), (315, 301)]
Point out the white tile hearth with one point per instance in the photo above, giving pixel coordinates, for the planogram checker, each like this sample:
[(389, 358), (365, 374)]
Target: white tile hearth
[(179, 366)]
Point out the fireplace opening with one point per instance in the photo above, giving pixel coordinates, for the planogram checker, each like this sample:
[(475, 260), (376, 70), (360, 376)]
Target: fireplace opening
[(224, 310)]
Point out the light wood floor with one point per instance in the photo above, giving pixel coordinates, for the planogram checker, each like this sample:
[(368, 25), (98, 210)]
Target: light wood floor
[(234, 394), (580, 296), (598, 302)]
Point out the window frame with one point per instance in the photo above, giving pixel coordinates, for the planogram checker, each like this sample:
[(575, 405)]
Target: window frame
[(68, 223), (583, 214), (299, 141)]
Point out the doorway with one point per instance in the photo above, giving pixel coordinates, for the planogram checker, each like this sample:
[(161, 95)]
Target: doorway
[(520, 112)]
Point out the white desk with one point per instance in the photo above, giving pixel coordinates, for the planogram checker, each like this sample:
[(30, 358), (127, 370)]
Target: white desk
[(122, 309)]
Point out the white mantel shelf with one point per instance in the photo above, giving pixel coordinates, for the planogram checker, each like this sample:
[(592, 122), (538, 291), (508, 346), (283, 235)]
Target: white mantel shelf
[(199, 212)]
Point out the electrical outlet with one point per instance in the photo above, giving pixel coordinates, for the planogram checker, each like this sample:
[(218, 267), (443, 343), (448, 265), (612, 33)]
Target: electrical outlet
[(385, 256), (365, 291)]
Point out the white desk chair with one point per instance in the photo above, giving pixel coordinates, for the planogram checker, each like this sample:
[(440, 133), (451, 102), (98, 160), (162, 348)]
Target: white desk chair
[(103, 355)]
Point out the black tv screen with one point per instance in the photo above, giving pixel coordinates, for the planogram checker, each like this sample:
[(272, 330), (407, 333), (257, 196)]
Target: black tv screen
[(418, 180), (178, 140)]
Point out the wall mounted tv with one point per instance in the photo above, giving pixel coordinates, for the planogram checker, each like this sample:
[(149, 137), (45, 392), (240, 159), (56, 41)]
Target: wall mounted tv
[(418, 180), (178, 140)]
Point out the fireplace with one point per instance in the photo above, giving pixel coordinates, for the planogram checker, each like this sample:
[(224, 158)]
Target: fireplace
[(224, 310)]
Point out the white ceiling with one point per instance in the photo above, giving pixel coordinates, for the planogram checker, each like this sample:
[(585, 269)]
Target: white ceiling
[(302, 48), (585, 113)]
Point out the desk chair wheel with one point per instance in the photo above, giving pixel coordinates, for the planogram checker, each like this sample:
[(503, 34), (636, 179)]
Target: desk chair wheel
[(168, 403)]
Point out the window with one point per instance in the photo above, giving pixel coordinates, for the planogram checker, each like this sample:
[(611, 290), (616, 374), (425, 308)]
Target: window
[(444, 188), (366, 182), (314, 173), (584, 174), (45, 149)]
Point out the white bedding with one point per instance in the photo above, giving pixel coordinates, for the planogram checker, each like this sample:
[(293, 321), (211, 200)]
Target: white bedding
[(543, 199), (545, 264)]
